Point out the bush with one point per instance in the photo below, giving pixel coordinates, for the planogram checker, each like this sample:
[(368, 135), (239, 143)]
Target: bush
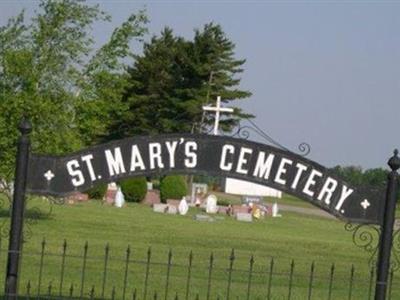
[(98, 191), (173, 187), (134, 189), (224, 202)]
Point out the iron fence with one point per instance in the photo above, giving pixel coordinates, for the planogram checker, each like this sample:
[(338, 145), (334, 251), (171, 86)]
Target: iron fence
[(60, 272)]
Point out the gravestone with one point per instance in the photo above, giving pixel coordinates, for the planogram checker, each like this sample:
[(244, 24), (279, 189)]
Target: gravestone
[(244, 217), (77, 197), (275, 210), (240, 209), (160, 207), (211, 206), (119, 198), (149, 185), (152, 197), (203, 218), (111, 193), (173, 202), (172, 209), (183, 207), (198, 192), (225, 210)]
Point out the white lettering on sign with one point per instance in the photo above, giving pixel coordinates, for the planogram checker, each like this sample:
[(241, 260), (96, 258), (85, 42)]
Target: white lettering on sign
[(263, 166), (310, 182), (88, 160), (191, 155), (288, 173), (115, 162), (77, 175), (346, 192), (223, 164), (136, 159), (327, 190), (171, 147), (242, 161), (300, 169), (155, 156), (282, 170)]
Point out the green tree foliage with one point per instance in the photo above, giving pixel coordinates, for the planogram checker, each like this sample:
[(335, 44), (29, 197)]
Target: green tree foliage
[(50, 73), (174, 78), (173, 187), (216, 69), (134, 189), (375, 178)]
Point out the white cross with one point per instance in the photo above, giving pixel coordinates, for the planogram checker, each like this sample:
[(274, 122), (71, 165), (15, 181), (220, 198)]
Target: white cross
[(218, 109), (49, 175), (365, 204)]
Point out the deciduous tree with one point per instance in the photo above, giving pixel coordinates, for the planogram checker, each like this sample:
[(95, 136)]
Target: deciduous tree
[(51, 74)]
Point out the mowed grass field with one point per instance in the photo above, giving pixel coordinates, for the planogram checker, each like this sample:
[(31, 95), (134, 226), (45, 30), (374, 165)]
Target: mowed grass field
[(152, 236)]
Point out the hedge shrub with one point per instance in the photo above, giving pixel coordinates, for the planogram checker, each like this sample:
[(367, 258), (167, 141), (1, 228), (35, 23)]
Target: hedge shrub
[(173, 187), (98, 191), (134, 189)]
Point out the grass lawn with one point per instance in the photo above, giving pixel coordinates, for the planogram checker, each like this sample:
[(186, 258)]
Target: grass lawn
[(302, 238)]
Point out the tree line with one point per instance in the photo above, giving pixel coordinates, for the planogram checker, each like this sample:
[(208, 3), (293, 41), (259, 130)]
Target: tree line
[(355, 175)]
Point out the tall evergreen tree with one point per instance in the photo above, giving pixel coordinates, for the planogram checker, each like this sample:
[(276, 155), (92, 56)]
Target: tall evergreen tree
[(151, 99), (217, 70), (174, 78)]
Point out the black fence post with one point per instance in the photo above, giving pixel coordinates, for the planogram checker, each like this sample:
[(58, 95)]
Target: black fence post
[(18, 207), (386, 238)]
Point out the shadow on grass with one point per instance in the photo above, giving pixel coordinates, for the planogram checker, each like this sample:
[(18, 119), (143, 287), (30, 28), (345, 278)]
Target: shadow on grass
[(31, 213)]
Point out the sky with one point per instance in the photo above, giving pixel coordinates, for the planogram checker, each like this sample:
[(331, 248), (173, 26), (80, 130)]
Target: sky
[(322, 72)]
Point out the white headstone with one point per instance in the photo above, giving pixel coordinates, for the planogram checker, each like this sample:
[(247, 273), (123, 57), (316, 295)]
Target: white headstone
[(149, 186), (212, 207), (244, 217), (183, 207), (112, 186), (119, 198), (172, 210), (111, 193), (275, 210), (160, 207)]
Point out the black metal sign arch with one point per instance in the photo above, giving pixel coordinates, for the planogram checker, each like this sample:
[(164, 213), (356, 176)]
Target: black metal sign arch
[(203, 154), (199, 154)]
